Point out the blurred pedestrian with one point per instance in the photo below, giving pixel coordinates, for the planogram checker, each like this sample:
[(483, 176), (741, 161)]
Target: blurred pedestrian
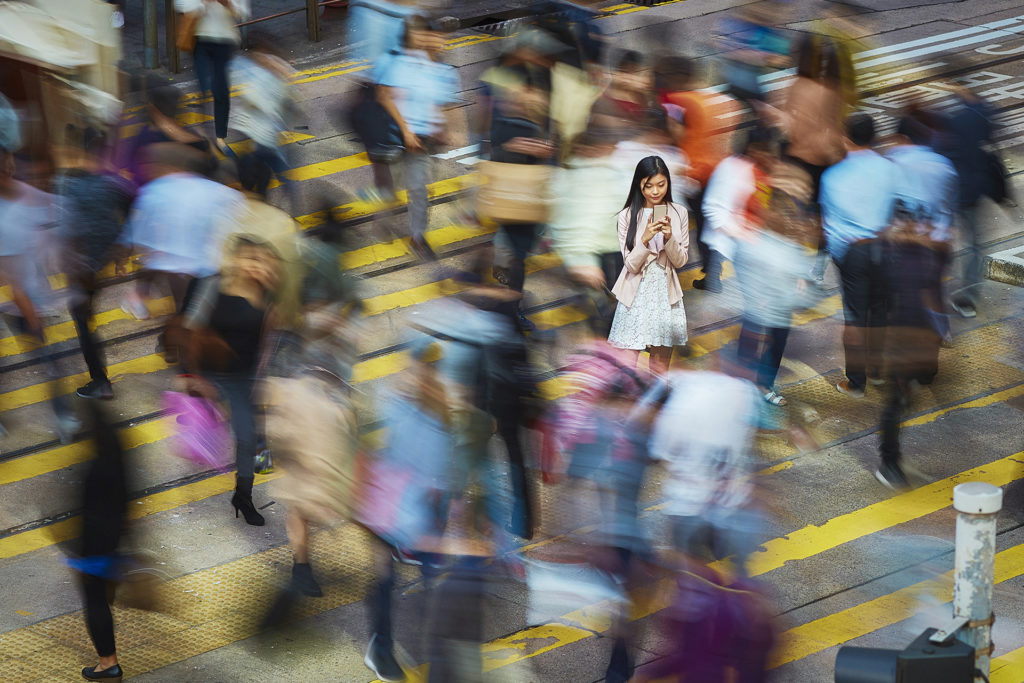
[(178, 223), (654, 237), (515, 98), (752, 48), (968, 128), (704, 436), (216, 39), (160, 125), (94, 203), (736, 191), (857, 199), (414, 87), (228, 318), (772, 271), (311, 409), (262, 109), (630, 92), (704, 138), (99, 559), (29, 247)]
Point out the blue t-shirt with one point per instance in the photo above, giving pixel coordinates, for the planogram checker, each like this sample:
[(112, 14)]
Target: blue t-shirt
[(422, 87)]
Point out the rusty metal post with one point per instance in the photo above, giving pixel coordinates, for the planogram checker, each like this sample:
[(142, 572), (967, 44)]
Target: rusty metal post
[(313, 20), (150, 35), (171, 37)]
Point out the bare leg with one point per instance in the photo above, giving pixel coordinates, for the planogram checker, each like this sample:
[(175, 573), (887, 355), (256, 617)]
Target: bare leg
[(661, 356)]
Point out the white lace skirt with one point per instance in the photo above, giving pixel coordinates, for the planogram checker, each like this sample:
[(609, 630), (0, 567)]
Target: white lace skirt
[(651, 320)]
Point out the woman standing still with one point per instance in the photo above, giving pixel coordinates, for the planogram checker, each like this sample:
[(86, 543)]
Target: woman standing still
[(217, 39), (227, 318), (654, 243)]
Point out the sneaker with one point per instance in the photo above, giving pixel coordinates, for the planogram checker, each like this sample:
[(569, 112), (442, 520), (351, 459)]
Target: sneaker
[(845, 387), (133, 305), (892, 477), (67, 426), (381, 661), (264, 462), (965, 308), (97, 389)]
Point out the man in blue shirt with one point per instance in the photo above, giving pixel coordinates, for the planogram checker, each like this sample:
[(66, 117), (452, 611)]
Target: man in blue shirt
[(414, 88), (857, 199), (928, 181)]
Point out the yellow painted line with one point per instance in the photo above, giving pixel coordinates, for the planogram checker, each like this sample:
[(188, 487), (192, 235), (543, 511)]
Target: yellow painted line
[(475, 41), (36, 393), (558, 317), (842, 627), (1009, 668), (812, 540), (998, 397), (43, 537), (72, 454), (60, 332), (326, 168), (350, 70), (287, 138)]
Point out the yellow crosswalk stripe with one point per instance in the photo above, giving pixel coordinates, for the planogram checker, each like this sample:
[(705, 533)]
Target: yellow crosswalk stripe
[(1009, 668), (835, 629)]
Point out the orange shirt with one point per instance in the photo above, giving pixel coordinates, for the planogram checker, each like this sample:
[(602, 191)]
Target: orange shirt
[(704, 142)]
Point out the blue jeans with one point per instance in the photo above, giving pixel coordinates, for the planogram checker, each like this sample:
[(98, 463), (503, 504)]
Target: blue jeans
[(237, 390), (211, 60)]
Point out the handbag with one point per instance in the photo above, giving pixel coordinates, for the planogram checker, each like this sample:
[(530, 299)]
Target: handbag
[(513, 193), (186, 35), (998, 185), (203, 436)]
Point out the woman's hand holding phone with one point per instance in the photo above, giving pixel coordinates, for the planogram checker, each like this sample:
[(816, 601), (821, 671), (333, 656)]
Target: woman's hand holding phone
[(652, 229)]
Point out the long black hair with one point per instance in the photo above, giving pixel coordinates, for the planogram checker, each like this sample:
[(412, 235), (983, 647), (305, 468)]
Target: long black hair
[(635, 202)]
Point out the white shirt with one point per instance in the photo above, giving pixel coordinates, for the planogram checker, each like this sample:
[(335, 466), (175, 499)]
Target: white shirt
[(704, 434)]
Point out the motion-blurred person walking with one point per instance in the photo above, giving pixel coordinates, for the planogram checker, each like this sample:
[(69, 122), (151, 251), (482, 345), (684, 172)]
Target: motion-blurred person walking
[(736, 188), (704, 139), (414, 87), (216, 36), (261, 112), (772, 271), (94, 203), (857, 199), (99, 561), (968, 128)]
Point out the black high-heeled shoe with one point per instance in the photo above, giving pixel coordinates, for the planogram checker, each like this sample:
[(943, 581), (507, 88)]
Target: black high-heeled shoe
[(243, 504), (112, 673)]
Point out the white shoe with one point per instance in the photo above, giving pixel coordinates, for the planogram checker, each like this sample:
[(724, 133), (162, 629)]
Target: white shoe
[(133, 305)]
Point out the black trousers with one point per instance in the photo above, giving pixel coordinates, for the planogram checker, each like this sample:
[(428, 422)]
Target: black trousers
[(81, 312), (523, 237), (864, 302), (97, 595)]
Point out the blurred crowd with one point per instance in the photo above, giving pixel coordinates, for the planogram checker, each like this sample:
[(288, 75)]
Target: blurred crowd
[(627, 165)]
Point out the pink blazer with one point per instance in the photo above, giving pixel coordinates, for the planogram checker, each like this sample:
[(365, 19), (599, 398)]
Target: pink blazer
[(637, 260)]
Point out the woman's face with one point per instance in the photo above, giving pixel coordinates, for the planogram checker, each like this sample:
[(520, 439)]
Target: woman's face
[(258, 264), (654, 188)]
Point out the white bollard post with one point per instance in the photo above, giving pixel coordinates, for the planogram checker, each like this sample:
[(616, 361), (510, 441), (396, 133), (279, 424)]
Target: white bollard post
[(978, 504)]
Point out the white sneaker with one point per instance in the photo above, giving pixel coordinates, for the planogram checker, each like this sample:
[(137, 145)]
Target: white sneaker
[(133, 305)]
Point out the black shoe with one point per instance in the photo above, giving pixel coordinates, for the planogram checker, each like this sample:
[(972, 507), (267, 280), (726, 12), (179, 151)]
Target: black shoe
[(112, 673), (243, 504), (382, 662), (97, 389), (303, 581), (422, 249), (700, 283), (892, 477), (712, 285)]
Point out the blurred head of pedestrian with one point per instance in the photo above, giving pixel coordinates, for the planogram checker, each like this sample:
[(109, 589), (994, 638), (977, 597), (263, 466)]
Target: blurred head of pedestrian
[(817, 58), (631, 79), (674, 73), (860, 131), (916, 126), (422, 34), (165, 158), (251, 262), (761, 146)]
